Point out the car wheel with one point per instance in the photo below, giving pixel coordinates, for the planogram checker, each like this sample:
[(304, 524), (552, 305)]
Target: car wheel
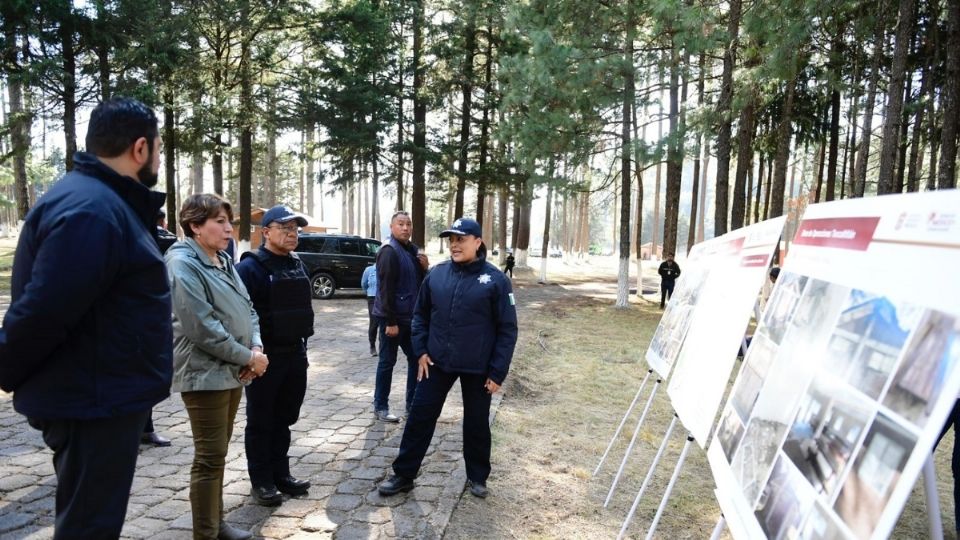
[(322, 286)]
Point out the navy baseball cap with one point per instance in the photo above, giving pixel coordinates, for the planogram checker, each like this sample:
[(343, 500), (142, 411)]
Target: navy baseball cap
[(463, 227), (282, 214)]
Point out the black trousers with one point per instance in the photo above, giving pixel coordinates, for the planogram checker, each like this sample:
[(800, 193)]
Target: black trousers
[(374, 325), (95, 461), (273, 405), (954, 421), (388, 359), (427, 405), (666, 290)]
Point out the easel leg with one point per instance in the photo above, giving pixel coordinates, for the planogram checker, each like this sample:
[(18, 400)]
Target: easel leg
[(646, 480), (622, 422), (673, 481), (633, 440)]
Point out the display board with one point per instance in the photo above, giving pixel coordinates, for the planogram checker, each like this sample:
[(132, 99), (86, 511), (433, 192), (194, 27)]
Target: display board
[(851, 373), (738, 264), (667, 339)]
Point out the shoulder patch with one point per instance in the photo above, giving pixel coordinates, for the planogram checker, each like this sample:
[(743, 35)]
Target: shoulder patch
[(513, 301)]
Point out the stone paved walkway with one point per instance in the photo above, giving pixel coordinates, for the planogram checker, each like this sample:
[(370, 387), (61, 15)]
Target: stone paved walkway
[(337, 444)]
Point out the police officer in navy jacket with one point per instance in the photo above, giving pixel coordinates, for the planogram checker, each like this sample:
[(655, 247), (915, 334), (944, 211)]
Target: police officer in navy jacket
[(87, 343), (280, 289), (464, 327)]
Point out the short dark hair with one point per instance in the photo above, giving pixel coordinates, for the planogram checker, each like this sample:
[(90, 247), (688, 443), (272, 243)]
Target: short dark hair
[(117, 123), (200, 207), (399, 213)]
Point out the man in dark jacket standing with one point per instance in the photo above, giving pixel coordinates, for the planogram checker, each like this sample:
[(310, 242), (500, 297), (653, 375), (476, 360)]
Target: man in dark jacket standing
[(400, 270), (86, 345), (280, 289), (669, 272), (464, 327)]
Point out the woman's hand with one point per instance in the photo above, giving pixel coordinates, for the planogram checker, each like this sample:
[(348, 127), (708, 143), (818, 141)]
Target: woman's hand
[(258, 362)]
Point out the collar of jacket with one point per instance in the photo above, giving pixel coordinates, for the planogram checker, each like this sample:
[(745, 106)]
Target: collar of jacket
[(473, 266), (201, 254), (144, 201)]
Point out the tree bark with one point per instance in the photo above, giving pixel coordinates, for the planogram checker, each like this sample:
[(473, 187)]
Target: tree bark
[(418, 203), (466, 88), (20, 118), (723, 110), (782, 156), (674, 157), (950, 107), (170, 157), (744, 162), (695, 190), (485, 126), (68, 51), (863, 155), (502, 225), (892, 115)]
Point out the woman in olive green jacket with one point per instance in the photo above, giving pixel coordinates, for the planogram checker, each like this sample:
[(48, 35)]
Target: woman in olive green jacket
[(217, 349)]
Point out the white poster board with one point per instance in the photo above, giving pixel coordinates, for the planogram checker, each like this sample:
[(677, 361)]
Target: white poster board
[(738, 268), (851, 373), (666, 342)]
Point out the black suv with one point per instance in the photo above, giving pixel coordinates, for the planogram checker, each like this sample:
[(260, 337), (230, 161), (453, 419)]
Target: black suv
[(335, 261)]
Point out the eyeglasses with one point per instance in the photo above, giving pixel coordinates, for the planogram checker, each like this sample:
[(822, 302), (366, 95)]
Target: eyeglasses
[(287, 229)]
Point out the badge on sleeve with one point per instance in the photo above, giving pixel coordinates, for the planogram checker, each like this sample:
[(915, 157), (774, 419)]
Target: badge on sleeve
[(513, 301)]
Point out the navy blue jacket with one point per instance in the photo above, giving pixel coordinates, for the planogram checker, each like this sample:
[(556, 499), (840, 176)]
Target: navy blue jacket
[(88, 332), (466, 320)]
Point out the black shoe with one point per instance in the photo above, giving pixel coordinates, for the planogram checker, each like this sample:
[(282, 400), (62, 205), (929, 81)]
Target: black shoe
[(395, 484), (477, 489), (153, 439), (266, 496), (385, 416), (228, 532), (292, 486), (373, 351)]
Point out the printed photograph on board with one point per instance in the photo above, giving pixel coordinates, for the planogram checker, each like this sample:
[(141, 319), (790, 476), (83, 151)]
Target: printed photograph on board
[(876, 469), (785, 501), (730, 431), (760, 356), (822, 524), (867, 340), (675, 322), (829, 423), (782, 302), (930, 357)]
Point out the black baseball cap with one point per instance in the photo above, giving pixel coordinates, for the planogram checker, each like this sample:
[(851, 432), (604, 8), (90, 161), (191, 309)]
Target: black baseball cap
[(282, 214), (463, 227)]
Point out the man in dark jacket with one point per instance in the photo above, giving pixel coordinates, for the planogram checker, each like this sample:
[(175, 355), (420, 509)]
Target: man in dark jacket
[(464, 327), (280, 289), (669, 272), (86, 345), (400, 270)]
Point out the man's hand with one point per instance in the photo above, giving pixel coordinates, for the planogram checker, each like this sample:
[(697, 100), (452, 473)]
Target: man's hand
[(246, 375), (424, 261), (423, 370), (258, 363), (392, 331), (492, 387)]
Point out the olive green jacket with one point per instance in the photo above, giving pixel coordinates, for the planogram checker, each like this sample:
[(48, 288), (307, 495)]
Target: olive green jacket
[(214, 323)]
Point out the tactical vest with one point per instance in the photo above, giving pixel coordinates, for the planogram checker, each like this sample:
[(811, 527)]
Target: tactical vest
[(288, 318)]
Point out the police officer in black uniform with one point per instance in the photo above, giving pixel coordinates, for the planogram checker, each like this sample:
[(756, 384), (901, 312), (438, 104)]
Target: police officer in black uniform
[(669, 272), (280, 289)]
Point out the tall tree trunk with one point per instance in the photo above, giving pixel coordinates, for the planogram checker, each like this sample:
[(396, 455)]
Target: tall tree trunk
[(947, 177), (170, 158), (309, 169), (523, 237), (629, 74), (723, 110), (375, 198), (836, 53), (545, 245), (246, 139), (782, 156), (863, 155), (418, 203), (20, 117), (695, 190), (761, 162), (466, 89), (914, 161), (515, 231), (674, 156), (821, 161), (485, 126), (655, 222), (892, 115), (69, 92), (196, 171), (701, 224), (502, 224), (904, 143), (744, 162)]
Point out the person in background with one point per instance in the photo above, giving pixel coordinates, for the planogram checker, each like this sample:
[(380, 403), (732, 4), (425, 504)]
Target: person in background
[(510, 262), (369, 284), (669, 272), (165, 239), (280, 289), (400, 270), (86, 343), (217, 349), (464, 327)]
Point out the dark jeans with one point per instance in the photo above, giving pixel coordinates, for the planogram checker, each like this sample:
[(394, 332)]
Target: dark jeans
[(273, 405), (374, 325), (666, 290), (508, 270), (211, 420), (427, 404), (954, 421), (94, 461), (388, 359)]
